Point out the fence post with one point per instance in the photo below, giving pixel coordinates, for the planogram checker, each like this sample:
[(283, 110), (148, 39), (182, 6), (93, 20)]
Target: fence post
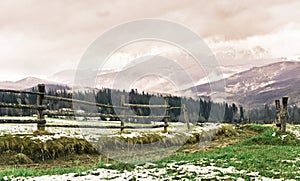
[(123, 112), (166, 118), (41, 120), (186, 116), (278, 111), (284, 114)]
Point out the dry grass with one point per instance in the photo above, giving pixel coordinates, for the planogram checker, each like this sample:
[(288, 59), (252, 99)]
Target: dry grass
[(42, 132), (20, 158), (224, 136), (22, 149)]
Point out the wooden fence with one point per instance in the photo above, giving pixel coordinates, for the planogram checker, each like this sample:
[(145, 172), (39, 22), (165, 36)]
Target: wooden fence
[(41, 111), (281, 114)]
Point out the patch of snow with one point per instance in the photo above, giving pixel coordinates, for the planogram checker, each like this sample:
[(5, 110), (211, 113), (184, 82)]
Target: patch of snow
[(178, 170), (282, 137), (294, 130), (131, 135)]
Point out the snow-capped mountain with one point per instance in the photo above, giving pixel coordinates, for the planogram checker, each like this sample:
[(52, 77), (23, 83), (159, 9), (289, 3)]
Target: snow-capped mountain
[(240, 84), (149, 82), (258, 85)]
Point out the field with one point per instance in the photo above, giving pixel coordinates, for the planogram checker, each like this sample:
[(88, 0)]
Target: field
[(209, 152)]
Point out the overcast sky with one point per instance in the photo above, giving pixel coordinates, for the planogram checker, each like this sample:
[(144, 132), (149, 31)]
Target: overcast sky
[(39, 38)]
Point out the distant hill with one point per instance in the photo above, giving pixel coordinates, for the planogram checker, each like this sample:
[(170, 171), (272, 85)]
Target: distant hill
[(259, 85), (29, 82)]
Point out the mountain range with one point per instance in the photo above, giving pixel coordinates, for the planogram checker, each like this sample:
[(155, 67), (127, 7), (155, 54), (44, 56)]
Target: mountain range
[(258, 85), (249, 87)]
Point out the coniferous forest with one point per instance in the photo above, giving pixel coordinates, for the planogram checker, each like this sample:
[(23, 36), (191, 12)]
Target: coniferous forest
[(199, 110)]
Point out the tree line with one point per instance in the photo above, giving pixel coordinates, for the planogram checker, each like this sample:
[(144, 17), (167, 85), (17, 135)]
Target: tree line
[(199, 110)]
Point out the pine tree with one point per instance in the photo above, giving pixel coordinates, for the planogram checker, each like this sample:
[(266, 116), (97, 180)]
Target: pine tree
[(234, 112), (241, 114)]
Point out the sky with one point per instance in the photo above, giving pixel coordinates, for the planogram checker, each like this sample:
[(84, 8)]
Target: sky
[(40, 38)]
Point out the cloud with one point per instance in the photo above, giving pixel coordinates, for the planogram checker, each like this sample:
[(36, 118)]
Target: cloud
[(277, 44), (54, 34), (237, 19)]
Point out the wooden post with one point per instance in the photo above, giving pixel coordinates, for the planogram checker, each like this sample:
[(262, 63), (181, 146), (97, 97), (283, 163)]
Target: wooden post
[(186, 116), (284, 114), (166, 118), (41, 120), (278, 114), (122, 112)]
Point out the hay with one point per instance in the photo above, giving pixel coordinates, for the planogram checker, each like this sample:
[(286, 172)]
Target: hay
[(194, 139), (226, 131), (20, 158), (37, 150), (42, 132)]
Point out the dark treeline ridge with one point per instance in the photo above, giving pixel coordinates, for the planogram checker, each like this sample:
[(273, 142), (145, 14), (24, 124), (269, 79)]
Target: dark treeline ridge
[(267, 114), (199, 110)]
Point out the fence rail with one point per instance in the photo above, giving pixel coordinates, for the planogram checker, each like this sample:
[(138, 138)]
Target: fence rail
[(20, 92), (82, 102), (41, 111), (19, 121), (146, 106), (21, 106), (105, 127)]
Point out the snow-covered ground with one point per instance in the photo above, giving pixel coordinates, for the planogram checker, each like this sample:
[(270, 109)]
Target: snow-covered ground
[(295, 129), (91, 134), (172, 171)]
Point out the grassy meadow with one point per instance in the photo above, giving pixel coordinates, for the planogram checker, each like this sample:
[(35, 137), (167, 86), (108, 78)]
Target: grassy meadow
[(236, 152)]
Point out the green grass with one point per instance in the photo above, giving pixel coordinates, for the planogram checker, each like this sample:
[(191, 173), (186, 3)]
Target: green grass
[(271, 136), (265, 153), (265, 159), (25, 172)]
